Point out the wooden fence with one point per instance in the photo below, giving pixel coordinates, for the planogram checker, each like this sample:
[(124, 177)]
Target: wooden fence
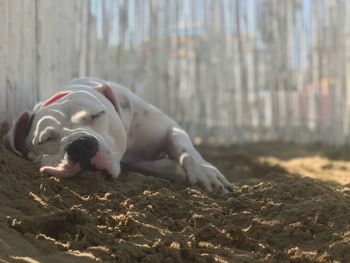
[(228, 70)]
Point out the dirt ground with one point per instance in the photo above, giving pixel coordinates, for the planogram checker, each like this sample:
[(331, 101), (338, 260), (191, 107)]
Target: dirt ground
[(290, 204)]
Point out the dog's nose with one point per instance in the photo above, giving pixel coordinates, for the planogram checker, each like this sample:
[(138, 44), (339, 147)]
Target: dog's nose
[(82, 149)]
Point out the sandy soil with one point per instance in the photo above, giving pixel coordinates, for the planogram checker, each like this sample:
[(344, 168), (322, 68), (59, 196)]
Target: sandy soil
[(290, 204)]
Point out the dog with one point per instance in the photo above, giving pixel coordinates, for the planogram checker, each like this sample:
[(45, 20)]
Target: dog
[(94, 125)]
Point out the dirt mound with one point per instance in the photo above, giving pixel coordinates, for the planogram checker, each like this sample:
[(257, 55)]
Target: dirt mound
[(274, 215)]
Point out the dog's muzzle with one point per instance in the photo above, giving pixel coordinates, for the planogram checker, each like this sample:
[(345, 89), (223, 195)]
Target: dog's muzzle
[(82, 150)]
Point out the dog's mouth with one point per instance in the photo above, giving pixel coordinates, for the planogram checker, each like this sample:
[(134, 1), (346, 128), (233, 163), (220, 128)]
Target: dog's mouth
[(99, 163)]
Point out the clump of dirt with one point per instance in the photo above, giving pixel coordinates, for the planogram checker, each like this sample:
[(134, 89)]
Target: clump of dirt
[(275, 214)]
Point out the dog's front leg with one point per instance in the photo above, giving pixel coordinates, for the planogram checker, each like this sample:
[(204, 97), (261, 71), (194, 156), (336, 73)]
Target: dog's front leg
[(180, 148), (163, 168)]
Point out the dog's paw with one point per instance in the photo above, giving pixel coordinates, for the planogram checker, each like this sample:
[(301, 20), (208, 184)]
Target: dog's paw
[(207, 175)]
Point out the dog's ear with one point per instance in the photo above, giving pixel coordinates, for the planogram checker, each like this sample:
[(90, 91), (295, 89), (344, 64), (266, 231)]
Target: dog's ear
[(121, 103), (15, 139)]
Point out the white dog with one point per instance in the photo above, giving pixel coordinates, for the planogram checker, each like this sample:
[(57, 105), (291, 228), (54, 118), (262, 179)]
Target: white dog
[(97, 125)]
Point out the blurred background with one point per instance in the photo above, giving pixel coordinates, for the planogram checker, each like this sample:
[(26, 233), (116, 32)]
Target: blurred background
[(229, 71)]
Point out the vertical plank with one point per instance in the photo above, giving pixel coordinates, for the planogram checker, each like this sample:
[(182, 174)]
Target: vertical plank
[(22, 71), (346, 117), (4, 6)]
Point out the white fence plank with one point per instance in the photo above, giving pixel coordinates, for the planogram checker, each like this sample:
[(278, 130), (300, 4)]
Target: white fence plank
[(3, 58)]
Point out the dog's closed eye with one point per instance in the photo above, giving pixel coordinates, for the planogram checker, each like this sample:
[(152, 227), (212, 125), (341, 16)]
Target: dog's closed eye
[(97, 115), (48, 139), (48, 135), (85, 117)]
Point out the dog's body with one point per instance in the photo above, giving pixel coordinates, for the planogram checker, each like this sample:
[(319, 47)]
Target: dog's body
[(95, 125)]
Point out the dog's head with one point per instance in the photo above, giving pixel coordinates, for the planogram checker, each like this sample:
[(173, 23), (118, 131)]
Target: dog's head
[(84, 129)]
